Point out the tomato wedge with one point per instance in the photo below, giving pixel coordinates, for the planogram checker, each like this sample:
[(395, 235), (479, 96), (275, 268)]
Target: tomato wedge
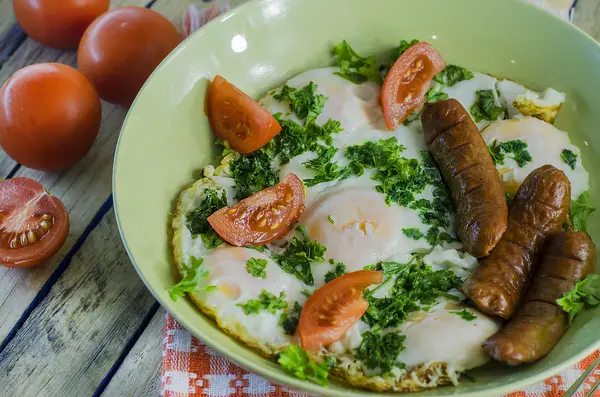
[(407, 82), (33, 224), (236, 118), (334, 308), (265, 216)]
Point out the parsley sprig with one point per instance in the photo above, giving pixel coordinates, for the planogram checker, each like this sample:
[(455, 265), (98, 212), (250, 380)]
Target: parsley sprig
[(299, 254), (485, 107), (515, 149), (266, 302), (194, 273), (585, 294), (197, 219)]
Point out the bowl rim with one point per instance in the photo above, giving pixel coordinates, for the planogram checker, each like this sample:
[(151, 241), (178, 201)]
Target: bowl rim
[(282, 377)]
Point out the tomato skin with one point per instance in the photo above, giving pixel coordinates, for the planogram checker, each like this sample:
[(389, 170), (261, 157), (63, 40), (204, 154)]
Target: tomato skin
[(58, 23), (407, 82), (265, 216), (39, 232), (49, 116), (238, 119), (334, 308), (121, 48)]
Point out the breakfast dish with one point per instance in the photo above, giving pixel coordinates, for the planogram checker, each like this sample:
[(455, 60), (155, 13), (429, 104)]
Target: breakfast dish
[(381, 222)]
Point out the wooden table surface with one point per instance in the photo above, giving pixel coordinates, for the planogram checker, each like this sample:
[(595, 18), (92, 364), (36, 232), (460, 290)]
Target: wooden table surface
[(84, 323)]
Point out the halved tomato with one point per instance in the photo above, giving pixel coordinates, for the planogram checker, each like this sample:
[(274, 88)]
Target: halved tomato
[(407, 82), (265, 216), (236, 118), (334, 308), (33, 224)]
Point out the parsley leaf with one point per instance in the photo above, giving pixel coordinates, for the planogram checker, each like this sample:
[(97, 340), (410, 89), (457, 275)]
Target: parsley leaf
[(256, 267), (518, 148), (340, 270), (289, 320), (452, 75), (330, 219), (266, 301), (259, 248), (304, 102), (580, 210), (413, 233), (569, 158), (253, 173), (585, 294), (435, 95), (297, 362), (352, 66), (325, 169), (465, 314), (485, 107), (194, 274), (380, 352), (197, 219), (298, 256)]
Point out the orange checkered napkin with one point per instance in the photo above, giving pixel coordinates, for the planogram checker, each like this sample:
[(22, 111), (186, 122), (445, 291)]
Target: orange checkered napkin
[(191, 369)]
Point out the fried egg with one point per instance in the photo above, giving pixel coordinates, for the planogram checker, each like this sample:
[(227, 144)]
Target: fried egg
[(545, 143), (519, 100)]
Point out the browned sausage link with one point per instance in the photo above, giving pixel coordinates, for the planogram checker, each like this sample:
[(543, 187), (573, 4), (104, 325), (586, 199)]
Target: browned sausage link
[(467, 168), (538, 210), (539, 323)]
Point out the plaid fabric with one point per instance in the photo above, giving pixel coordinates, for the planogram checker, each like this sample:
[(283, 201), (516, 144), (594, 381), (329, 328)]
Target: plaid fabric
[(191, 369)]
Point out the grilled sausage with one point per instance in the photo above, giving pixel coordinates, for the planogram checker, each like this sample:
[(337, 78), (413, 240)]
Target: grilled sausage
[(538, 211), (539, 323), (467, 168)]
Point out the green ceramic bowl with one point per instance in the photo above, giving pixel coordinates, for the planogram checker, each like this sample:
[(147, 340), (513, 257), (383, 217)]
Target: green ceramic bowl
[(166, 139)]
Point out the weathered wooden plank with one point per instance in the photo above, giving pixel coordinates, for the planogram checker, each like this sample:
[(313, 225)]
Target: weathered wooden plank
[(7, 21), (83, 188), (139, 375), (72, 339), (587, 17)]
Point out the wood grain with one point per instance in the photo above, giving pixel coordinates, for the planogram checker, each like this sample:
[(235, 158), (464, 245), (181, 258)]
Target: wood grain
[(7, 21), (139, 375), (74, 336)]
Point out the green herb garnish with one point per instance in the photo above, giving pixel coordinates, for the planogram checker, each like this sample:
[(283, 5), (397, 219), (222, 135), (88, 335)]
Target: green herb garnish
[(413, 233), (352, 66), (305, 103), (580, 210), (197, 219), (256, 267), (194, 273), (253, 173), (340, 270), (289, 320), (516, 150), (485, 107), (325, 169), (330, 219), (299, 254), (266, 301), (435, 95), (297, 362), (585, 295), (569, 158), (465, 315), (380, 352), (452, 75)]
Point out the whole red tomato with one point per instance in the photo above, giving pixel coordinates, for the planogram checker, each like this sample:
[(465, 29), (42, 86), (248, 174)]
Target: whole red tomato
[(58, 23), (49, 116), (121, 49)]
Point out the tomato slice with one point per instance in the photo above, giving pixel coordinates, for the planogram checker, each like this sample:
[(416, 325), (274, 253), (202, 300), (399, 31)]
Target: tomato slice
[(265, 216), (236, 118), (334, 308), (33, 224), (407, 82)]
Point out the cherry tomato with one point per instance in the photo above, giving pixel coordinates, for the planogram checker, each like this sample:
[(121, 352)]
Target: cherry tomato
[(33, 224), (236, 118), (262, 217), (334, 308), (58, 23), (121, 48), (49, 116), (407, 82)]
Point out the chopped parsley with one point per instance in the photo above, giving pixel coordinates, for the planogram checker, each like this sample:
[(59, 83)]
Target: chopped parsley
[(330, 219), (569, 158), (585, 295), (297, 362), (410, 286), (352, 66), (289, 320), (259, 248), (253, 173), (298, 256), (435, 95), (197, 219), (485, 107), (413, 233), (325, 169), (256, 267), (194, 273), (305, 103), (380, 352), (465, 314), (452, 75), (340, 270), (580, 210), (266, 301), (515, 149)]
